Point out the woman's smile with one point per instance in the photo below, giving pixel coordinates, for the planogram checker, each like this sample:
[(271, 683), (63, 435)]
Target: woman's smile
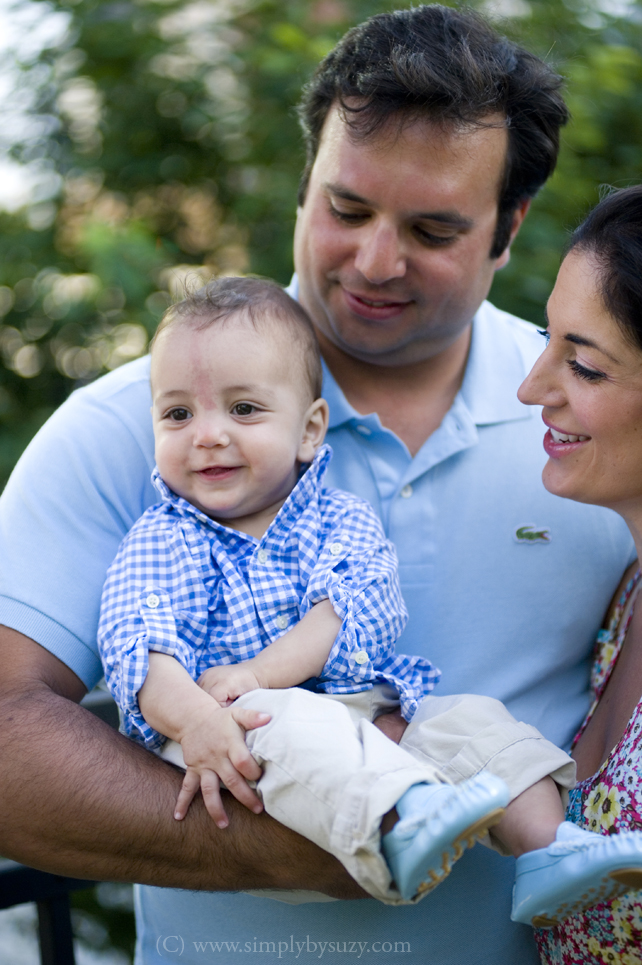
[(558, 443), (589, 382)]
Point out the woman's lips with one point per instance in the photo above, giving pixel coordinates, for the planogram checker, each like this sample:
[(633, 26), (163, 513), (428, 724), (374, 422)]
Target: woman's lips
[(557, 443), (374, 309)]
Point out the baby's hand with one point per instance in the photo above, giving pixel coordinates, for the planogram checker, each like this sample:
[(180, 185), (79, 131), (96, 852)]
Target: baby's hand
[(214, 750), (229, 681)]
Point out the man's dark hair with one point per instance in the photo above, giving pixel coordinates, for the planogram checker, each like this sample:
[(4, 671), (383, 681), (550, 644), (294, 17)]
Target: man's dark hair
[(260, 301), (612, 234), (450, 67)]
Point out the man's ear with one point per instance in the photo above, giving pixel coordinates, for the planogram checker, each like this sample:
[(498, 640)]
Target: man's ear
[(315, 426), (519, 214)]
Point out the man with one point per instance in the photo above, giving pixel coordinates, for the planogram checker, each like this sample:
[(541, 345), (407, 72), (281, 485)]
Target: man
[(427, 137)]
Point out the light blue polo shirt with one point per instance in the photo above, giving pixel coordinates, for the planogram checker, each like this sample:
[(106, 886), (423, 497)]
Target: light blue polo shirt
[(500, 613)]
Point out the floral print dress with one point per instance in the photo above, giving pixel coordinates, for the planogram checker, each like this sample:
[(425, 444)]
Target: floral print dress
[(608, 802)]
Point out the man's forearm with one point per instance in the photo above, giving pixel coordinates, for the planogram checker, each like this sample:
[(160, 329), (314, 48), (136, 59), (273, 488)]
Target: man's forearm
[(76, 798)]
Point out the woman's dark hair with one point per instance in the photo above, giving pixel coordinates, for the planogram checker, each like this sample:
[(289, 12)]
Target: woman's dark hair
[(612, 235), (451, 67), (260, 301)]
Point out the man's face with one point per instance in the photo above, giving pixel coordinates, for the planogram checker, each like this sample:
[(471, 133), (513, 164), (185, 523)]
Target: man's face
[(392, 244)]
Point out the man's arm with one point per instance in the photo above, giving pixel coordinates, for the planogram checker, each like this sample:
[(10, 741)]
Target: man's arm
[(79, 799)]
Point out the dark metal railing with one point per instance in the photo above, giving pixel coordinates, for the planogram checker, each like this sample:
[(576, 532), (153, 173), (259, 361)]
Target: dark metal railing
[(19, 884)]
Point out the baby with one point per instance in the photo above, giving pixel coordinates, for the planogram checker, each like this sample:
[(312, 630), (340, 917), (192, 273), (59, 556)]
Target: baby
[(250, 618)]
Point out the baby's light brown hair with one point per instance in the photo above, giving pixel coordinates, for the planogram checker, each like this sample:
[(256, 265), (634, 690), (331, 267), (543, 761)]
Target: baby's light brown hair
[(261, 301)]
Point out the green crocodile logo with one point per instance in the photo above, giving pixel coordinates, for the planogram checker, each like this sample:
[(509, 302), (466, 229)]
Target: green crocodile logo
[(528, 534)]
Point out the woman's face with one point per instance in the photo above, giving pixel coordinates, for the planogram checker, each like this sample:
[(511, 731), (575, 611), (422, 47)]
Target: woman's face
[(589, 381)]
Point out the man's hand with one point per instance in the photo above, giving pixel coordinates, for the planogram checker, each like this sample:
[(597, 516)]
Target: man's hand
[(214, 750), (227, 682)]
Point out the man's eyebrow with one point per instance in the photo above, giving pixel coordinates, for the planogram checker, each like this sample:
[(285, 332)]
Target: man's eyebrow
[(582, 340), (344, 193), (443, 217)]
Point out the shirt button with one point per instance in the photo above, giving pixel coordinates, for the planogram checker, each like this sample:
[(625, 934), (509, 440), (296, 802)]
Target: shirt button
[(361, 657), (364, 430), (262, 556), (282, 621), (152, 601), (202, 518), (406, 492), (336, 548)]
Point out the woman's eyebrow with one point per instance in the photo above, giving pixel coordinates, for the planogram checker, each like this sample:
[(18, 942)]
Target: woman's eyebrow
[(582, 340)]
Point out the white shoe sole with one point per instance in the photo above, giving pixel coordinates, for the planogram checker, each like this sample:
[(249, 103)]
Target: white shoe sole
[(613, 884), (453, 853)]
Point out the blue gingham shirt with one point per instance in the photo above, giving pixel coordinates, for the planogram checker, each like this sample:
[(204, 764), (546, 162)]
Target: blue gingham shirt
[(185, 585)]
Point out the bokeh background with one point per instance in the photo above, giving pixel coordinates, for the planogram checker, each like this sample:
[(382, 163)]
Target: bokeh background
[(158, 142)]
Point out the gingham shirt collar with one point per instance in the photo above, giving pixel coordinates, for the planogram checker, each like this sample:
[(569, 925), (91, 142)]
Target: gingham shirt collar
[(305, 490)]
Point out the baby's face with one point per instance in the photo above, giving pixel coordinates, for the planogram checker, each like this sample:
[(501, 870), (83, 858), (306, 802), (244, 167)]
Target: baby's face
[(232, 420)]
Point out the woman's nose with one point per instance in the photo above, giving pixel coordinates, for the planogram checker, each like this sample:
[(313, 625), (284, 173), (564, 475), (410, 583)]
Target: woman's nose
[(541, 386)]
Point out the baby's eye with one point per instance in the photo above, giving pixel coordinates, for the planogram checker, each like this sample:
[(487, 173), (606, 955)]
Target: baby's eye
[(243, 408), (179, 414)]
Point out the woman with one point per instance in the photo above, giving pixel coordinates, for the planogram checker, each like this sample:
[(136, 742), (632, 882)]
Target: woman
[(589, 382)]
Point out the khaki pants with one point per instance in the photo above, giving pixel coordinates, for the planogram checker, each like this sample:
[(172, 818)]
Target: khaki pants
[(331, 775)]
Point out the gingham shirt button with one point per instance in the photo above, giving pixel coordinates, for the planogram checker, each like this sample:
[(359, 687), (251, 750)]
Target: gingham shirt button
[(336, 548), (262, 556), (152, 601), (361, 657), (282, 621)]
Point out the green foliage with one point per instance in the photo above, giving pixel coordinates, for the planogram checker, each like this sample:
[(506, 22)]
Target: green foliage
[(600, 148), (172, 128)]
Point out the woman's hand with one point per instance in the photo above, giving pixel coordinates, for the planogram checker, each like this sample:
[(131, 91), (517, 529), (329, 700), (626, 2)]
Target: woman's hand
[(214, 750), (227, 682)]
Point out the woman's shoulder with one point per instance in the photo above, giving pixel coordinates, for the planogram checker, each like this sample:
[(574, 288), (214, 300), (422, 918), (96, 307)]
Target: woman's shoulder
[(617, 602), (611, 637)]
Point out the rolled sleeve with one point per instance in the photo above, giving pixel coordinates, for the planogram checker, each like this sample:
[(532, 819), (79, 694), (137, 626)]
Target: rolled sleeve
[(141, 611), (367, 597), (357, 571)]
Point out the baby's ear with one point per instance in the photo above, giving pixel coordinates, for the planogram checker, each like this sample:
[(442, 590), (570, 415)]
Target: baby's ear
[(315, 426)]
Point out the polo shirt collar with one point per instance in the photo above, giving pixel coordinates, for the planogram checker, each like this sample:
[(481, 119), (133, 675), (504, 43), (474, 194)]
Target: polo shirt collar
[(488, 392), (340, 409), (489, 389)]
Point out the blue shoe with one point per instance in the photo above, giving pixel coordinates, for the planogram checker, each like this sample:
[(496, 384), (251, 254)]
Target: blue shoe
[(436, 823), (578, 870)]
